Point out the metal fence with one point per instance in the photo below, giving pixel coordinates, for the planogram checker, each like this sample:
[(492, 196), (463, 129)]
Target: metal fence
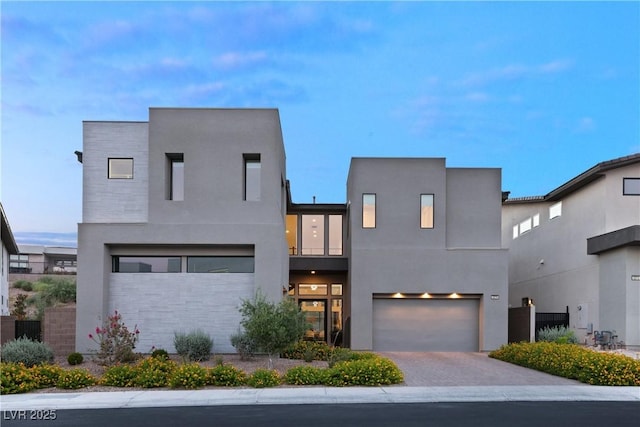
[(551, 320), (30, 328)]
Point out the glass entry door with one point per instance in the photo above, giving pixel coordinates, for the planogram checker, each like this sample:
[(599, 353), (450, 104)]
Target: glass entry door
[(316, 316)]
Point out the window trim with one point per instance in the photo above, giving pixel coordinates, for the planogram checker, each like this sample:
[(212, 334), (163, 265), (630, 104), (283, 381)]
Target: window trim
[(624, 180), (109, 167), (375, 210)]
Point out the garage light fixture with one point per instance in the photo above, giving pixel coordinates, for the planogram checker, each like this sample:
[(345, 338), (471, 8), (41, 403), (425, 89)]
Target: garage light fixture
[(397, 295), (454, 295), (425, 295)]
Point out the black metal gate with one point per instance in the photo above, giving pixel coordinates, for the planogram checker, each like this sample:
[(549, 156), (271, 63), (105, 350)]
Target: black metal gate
[(551, 320), (29, 328)]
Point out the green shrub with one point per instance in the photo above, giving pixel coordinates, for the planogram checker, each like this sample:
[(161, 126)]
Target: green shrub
[(46, 375), (339, 354), (154, 372), (75, 358), (195, 346), (574, 362), (75, 378), (226, 376), (305, 375), (189, 376), (558, 334), (119, 376), (245, 346), (20, 284), (26, 351), (366, 371), (160, 353), (16, 378), (262, 378), (300, 348), (26, 286)]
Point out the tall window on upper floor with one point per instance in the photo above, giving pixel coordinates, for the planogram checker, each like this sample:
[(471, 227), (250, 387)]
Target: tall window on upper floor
[(292, 234), (555, 210), (426, 211), (312, 235), (175, 181), (252, 169), (120, 168), (335, 234), (368, 210), (631, 186)]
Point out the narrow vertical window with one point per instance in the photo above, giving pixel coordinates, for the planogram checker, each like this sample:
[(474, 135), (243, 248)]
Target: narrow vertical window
[(368, 211), (120, 168), (252, 168), (426, 211), (335, 234), (175, 183), (516, 233), (292, 234)]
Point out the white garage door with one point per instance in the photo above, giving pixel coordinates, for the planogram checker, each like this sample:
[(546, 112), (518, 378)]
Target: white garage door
[(425, 324)]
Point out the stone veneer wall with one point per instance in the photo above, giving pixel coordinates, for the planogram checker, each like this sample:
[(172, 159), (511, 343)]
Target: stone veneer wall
[(60, 329)]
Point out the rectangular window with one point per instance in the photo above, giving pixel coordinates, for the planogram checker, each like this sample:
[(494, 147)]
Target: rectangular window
[(426, 211), (336, 289), (252, 169), (536, 220), (175, 182), (515, 231), (368, 210), (312, 289), (220, 264), (335, 234), (292, 234), (525, 225), (312, 234), (120, 168), (631, 186), (555, 210), (146, 264)]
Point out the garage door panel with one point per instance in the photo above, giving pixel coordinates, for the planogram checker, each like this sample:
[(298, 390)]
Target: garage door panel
[(425, 325)]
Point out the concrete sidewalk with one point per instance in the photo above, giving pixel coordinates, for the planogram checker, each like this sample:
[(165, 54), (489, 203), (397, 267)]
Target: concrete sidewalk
[(315, 395)]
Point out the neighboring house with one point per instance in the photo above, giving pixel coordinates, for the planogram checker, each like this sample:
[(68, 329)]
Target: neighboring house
[(9, 248), (189, 213), (39, 259), (579, 246)]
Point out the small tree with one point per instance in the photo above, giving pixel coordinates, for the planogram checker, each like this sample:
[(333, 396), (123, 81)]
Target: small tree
[(272, 326), (19, 307)]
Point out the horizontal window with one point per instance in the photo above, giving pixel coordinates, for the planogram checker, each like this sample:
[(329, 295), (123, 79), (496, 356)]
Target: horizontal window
[(120, 168), (631, 186), (146, 264), (220, 264)]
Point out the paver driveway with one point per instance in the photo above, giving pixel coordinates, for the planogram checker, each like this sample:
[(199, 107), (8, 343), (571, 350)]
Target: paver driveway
[(466, 369)]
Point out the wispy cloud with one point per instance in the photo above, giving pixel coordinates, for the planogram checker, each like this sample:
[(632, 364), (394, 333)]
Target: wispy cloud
[(234, 60), (585, 124), (515, 72)]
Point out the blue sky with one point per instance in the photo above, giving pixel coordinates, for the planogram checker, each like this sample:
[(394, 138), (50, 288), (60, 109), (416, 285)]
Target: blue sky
[(543, 90)]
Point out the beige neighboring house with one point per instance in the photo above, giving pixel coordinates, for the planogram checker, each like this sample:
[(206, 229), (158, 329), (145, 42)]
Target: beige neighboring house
[(579, 247), (9, 247), (39, 259)]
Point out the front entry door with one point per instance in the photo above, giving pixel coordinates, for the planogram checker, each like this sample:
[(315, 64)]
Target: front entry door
[(316, 316)]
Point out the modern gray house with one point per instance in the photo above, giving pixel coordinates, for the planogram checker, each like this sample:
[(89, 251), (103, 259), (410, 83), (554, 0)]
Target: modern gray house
[(189, 213), (579, 247)]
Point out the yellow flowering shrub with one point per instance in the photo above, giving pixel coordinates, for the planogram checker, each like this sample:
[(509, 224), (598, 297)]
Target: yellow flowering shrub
[(188, 375), (573, 362)]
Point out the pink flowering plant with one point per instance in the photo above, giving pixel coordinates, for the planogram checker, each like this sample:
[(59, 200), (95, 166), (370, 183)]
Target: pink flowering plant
[(116, 342)]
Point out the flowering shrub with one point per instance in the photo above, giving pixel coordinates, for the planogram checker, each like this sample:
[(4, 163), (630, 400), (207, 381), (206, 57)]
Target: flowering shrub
[(189, 375), (75, 378), (305, 375), (574, 362), (16, 378), (119, 376), (364, 371), (115, 341), (160, 353), (262, 378), (46, 375), (154, 372), (226, 376)]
